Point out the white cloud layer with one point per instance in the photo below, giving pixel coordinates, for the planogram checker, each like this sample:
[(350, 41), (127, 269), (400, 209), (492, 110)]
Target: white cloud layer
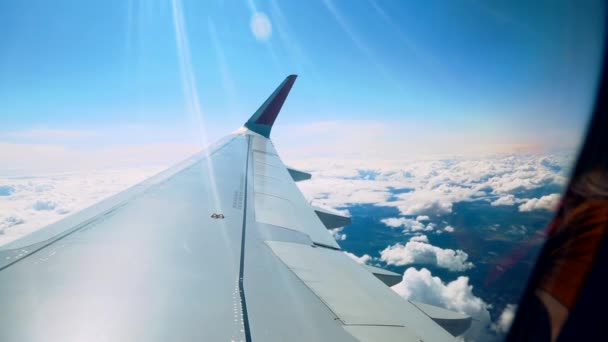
[(364, 259), (432, 185), (505, 320), (548, 202), (29, 203), (408, 225), (418, 251), (420, 238), (337, 234), (505, 200), (422, 286)]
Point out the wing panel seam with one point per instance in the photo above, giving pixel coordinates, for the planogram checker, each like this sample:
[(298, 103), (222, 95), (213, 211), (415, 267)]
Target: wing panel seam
[(242, 265)]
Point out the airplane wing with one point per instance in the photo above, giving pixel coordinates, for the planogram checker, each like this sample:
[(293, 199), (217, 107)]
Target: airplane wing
[(221, 247)]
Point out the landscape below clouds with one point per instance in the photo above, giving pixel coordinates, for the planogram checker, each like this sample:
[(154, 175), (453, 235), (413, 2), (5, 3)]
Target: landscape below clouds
[(464, 232)]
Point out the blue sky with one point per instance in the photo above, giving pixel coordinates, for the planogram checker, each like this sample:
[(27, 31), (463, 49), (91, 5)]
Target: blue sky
[(520, 70)]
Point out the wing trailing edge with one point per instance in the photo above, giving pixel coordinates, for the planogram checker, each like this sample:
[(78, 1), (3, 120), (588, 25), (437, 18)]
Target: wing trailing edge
[(455, 323), (387, 277), (262, 120), (331, 219)]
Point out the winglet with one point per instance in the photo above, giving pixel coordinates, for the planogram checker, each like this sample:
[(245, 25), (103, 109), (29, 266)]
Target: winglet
[(262, 120)]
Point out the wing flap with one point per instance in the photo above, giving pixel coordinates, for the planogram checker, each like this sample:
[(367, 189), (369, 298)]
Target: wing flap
[(278, 201), (331, 218), (455, 323), (387, 277), (352, 294)]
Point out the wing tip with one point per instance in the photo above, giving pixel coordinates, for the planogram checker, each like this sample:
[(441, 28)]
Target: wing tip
[(263, 119)]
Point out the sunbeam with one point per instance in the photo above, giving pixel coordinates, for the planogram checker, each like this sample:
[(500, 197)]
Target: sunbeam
[(224, 69), (190, 89)]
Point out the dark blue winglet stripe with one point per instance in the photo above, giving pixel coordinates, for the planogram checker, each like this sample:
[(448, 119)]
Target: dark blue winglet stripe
[(262, 120)]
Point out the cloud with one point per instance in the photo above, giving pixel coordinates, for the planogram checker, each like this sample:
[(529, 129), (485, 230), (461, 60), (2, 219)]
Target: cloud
[(505, 320), (44, 205), (395, 222), (551, 163), (430, 201), (449, 229), (422, 286), (548, 202), (436, 184), (408, 225), (323, 190), (421, 218), (9, 221), (420, 238), (364, 259), (260, 26), (36, 201), (505, 200), (417, 252), (337, 234)]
